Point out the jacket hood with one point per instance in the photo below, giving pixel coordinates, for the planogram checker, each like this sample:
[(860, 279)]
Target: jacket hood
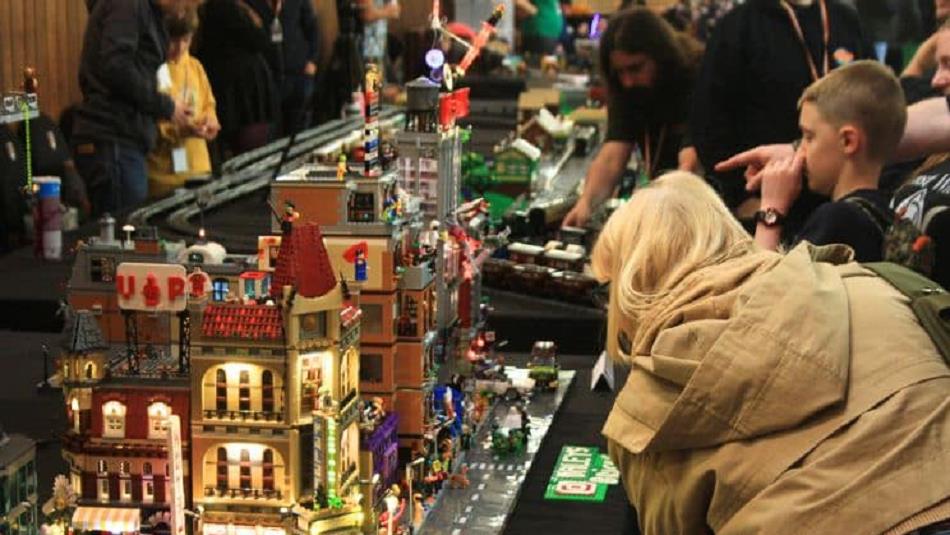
[(749, 347)]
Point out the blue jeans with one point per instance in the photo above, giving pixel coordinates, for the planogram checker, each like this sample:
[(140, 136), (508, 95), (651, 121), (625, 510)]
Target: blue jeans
[(115, 175)]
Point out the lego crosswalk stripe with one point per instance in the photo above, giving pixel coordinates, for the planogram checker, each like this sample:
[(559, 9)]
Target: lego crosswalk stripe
[(475, 497)]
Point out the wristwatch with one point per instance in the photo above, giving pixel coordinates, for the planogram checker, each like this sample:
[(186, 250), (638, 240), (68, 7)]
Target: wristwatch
[(770, 217)]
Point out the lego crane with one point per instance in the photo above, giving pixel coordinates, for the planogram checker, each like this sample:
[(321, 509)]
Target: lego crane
[(473, 49)]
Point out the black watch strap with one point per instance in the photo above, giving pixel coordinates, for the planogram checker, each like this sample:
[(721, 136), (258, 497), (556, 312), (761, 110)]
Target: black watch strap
[(770, 217)]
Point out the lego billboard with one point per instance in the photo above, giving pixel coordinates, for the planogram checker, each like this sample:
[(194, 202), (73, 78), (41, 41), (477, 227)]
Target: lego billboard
[(151, 287)]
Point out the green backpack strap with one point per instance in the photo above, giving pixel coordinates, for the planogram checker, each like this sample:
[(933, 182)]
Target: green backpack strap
[(929, 301)]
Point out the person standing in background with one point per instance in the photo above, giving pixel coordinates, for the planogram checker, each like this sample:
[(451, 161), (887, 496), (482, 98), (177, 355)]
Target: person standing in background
[(760, 58), (292, 26), (542, 27), (182, 151), (114, 128), (232, 44)]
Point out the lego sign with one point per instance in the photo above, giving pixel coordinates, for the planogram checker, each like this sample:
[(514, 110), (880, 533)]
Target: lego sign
[(176, 471), (151, 287)]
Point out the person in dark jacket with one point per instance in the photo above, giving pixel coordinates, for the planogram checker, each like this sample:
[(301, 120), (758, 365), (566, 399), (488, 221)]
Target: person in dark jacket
[(650, 71), (292, 26), (753, 74), (232, 44), (123, 48)]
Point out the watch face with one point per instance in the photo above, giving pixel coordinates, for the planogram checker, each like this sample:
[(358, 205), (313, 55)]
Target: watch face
[(771, 217)]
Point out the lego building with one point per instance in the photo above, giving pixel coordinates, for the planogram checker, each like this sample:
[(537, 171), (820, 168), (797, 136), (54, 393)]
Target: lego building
[(116, 445), (275, 390), (18, 513)]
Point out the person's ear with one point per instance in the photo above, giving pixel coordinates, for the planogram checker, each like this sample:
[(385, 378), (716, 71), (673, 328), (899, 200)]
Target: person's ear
[(850, 139)]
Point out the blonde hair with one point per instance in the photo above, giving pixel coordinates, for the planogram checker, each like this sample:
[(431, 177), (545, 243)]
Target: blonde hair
[(867, 95), (668, 230)]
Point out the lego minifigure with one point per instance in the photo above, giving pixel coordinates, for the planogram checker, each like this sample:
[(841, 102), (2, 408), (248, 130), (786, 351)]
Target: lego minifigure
[(290, 215), (341, 168), (359, 266)]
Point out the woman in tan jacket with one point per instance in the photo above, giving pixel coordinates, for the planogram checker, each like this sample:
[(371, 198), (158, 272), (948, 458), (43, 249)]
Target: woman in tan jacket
[(768, 393)]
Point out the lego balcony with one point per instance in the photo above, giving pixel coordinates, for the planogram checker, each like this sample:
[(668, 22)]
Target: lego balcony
[(244, 416), (417, 277), (243, 494)]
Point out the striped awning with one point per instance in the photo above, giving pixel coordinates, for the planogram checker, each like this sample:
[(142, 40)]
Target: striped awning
[(111, 519)]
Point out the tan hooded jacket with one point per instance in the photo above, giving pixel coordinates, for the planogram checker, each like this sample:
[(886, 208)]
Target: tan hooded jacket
[(793, 394)]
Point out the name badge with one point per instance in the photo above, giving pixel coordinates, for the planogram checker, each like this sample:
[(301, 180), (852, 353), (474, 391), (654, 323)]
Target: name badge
[(179, 160)]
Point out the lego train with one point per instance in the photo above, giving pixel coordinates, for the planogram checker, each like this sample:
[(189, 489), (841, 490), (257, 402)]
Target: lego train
[(555, 271)]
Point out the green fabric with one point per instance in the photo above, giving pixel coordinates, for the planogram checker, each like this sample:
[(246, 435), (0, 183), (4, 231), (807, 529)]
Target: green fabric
[(930, 302), (547, 22)]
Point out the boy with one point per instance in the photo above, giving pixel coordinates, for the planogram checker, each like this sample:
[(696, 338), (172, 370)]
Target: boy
[(851, 121)]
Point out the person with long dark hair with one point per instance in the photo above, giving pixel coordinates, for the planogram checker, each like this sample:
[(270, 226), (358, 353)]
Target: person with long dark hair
[(650, 71)]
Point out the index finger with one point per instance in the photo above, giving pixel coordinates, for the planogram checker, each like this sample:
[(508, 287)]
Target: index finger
[(743, 159)]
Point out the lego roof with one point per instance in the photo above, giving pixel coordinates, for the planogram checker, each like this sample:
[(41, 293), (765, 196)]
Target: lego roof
[(244, 322), (82, 334), (303, 262)]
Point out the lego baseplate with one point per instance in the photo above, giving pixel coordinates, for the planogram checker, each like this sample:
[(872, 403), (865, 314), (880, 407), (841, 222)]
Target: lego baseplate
[(494, 481)]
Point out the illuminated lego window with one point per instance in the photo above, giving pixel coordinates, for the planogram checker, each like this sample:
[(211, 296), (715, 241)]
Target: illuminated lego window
[(222, 469), (158, 414), (90, 371), (103, 490), (244, 391), (372, 320), (219, 289), (311, 372), (221, 390), (74, 405), (113, 414), (102, 269), (267, 391), (124, 468), (245, 470), (371, 368), (125, 488), (268, 466), (102, 467)]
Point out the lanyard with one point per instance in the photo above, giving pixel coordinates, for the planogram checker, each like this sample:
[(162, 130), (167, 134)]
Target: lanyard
[(648, 160), (825, 36)]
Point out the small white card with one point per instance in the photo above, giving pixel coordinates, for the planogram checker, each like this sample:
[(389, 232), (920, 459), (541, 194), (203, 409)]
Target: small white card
[(164, 78), (602, 373), (179, 160)]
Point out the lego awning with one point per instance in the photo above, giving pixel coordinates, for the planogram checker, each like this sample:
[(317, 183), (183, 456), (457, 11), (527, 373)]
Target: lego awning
[(111, 519)]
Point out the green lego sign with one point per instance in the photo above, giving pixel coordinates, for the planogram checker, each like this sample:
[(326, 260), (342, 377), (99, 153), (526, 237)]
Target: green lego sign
[(582, 474)]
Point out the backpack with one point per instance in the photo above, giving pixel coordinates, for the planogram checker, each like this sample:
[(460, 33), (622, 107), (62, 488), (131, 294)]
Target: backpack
[(903, 242), (929, 301), (922, 212)]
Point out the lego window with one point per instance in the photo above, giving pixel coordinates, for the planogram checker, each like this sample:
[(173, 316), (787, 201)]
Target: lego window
[(126, 490), (146, 469), (113, 414), (372, 320), (219, 289), (313, 326), (371, 368), (102, 467), (222, 469), (124, 468), (221, 390), (268, 469), (362, 207), (249, 289), (311, 373), (148, 491), (244, 391), (102, 269), (74, 406), (90, 371), (245, 470), (267, 391), (103, 490), (158, 413)]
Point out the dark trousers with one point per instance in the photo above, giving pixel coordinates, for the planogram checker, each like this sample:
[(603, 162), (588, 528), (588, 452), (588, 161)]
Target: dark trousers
[(115, 175), (296, 95)]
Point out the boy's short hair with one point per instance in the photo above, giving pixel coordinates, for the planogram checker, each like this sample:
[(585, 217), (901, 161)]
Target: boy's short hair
[(866, 94), (181, 23)]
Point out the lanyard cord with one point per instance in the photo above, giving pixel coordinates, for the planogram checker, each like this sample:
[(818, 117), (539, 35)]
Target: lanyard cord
[(825, 36), (648, 160)]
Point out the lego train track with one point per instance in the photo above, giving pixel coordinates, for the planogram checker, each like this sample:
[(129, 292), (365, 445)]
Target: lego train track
[(241, 176)]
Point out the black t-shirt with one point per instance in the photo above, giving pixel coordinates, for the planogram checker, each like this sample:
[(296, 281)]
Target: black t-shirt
[(663, 120), (851, 222), (921, 201)]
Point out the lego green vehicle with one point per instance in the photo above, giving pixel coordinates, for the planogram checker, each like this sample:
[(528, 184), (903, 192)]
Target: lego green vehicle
[(543, 366)]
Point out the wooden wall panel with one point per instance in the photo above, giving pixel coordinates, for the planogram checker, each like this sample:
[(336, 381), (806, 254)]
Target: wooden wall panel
[(47, 35)]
